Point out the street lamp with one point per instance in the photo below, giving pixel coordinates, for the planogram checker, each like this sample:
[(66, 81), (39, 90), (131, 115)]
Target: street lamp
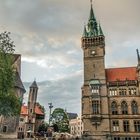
[(50, 107)]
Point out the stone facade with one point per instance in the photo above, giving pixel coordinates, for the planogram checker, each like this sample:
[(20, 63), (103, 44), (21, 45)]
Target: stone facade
[(10, 124), (110, 97)]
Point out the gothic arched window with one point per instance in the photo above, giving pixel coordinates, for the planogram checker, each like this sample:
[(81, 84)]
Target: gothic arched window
[(124, 107), (114, 108), (134, 107)]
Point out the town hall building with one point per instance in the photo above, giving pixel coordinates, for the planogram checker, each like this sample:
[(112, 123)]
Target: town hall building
[(110, 96)]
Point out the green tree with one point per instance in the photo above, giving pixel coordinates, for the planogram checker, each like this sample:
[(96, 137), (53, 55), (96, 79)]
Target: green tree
[(43, 127), (9, 103), (60, 118)]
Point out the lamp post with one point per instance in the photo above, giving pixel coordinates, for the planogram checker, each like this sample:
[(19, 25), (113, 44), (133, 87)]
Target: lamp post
[(50, 107)]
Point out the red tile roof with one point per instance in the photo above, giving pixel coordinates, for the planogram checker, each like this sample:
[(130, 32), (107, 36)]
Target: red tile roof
[(121, 74), (38, 111), (24, 110)]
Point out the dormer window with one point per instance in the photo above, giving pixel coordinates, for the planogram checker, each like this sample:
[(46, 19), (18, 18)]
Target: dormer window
[(94, 86), (95, 89)]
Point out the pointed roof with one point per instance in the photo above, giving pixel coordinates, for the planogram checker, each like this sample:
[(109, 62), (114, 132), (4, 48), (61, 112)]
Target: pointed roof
[(15, 57), (34, 85), (38, 110), (92, 16), (100, 30), (24, 110), (85, 32), (18, 82), (93, 28)]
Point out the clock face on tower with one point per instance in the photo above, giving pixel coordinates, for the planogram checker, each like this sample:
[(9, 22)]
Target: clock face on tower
[(93, 52)]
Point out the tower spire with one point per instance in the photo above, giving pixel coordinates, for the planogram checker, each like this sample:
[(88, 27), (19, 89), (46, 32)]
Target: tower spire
[(138, 55), (91, 16), (85, 32), (100, 30), (92, 29), (91, 2)]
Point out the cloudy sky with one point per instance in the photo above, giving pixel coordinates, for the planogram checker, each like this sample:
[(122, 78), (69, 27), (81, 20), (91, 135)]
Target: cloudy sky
[(47, 33)]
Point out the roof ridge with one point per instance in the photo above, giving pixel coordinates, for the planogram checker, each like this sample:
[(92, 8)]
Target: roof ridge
[(121, 67)]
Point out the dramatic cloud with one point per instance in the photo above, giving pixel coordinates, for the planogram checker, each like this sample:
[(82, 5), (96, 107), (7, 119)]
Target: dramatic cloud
[(47, 33), (63, 93)]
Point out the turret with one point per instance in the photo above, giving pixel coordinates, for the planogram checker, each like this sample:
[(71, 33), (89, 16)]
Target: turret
[(138, 56), (30, 124), (33, 92), (32, 100), (138, 69), (85, 34)]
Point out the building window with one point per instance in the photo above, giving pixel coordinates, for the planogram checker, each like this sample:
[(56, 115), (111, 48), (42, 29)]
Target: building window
[(95, 106), (114, 108), (21, 119), (95, 90), (115, 125), (134, 107), (124, 107), (4, 128), (122, 92), (31, 110), (126, 126), (127, 138), (137, 126), (20, 128), (82, 107), (33, 90), (116, 138), (110, 92), (113, 92), (132, 91)]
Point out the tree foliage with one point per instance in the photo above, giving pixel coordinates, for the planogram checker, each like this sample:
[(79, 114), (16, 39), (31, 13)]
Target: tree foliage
[(9, 103), (60, 118), (43, 127)]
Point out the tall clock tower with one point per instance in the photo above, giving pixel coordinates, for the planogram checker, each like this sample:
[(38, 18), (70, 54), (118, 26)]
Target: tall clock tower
[(94, 91)]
